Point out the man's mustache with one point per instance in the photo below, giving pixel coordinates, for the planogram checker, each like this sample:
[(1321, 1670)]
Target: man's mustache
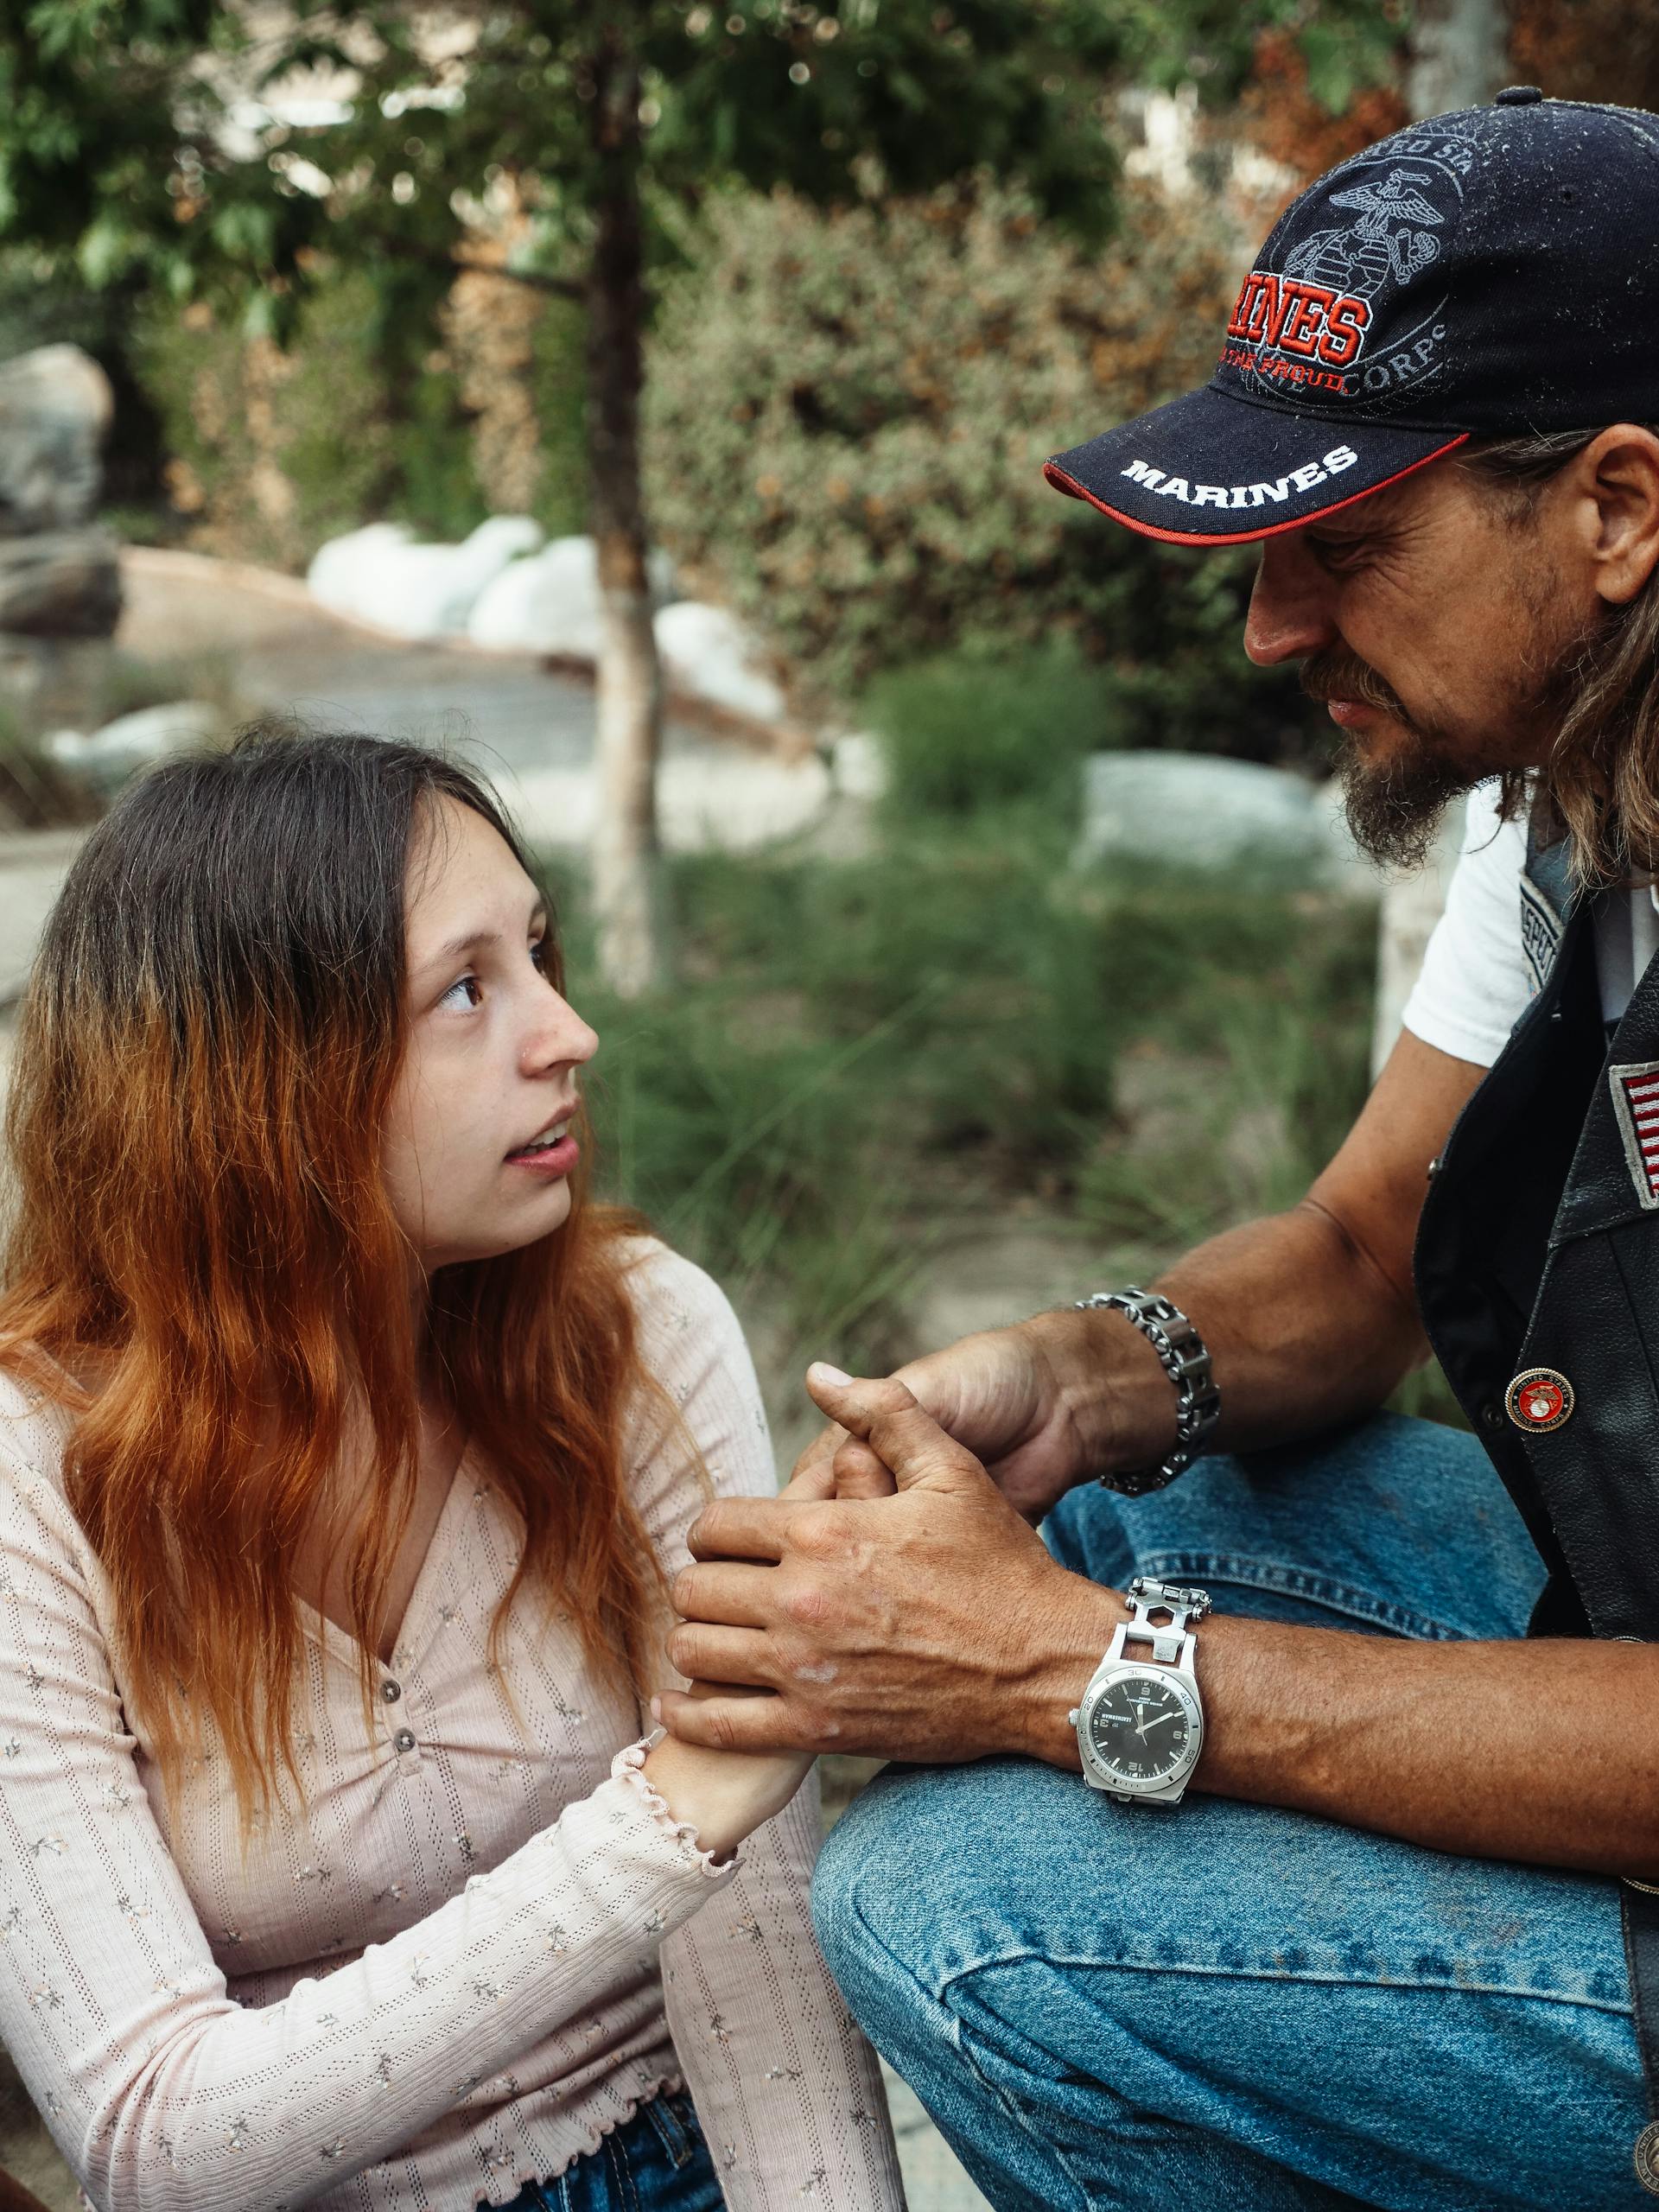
[(1336, 674)]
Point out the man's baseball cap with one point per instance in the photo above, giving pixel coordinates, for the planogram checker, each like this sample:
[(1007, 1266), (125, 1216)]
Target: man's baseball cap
[(1487, 274)]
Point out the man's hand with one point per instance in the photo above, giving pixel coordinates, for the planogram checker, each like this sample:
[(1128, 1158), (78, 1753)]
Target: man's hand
[(1308, 1315), (929, 1624), (1011, 1398)]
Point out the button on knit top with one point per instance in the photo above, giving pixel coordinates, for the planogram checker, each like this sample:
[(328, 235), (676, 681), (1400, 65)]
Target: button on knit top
[(480, 1941)]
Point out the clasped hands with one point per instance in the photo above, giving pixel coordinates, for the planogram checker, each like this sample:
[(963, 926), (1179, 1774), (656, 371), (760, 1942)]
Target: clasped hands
[(890, 1601)]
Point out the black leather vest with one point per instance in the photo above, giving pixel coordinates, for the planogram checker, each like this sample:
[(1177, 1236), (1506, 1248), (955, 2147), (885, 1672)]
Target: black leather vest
[(1539, 1248)]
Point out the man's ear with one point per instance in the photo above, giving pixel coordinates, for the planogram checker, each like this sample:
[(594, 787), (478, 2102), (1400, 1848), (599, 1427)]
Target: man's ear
[(1619, 472)]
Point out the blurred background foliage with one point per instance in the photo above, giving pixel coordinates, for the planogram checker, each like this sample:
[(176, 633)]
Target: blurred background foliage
[(872, 1063), (847, 416), (848, 428), (271, 450), (852, 374)]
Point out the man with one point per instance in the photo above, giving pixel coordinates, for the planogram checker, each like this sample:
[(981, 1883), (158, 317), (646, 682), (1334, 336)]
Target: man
[(1393, 1947)]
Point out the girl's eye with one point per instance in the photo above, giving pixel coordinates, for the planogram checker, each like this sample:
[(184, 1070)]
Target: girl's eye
[(539, 953)]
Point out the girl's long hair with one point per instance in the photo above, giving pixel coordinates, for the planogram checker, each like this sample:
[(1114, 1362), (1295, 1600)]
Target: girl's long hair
[(1599, 788), (203, 1064)]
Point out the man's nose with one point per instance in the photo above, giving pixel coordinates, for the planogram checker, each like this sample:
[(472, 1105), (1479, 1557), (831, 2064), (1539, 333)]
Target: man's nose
[(1290, 613)]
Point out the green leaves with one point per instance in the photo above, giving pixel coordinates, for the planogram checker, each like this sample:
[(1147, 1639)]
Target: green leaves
[(1346, 44), (107, 249), (121, 148)]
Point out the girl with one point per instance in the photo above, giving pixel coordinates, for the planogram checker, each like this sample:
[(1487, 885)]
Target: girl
[(345, 1446)]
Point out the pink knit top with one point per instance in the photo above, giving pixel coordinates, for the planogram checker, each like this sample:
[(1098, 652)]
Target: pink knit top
[(477, 1944)]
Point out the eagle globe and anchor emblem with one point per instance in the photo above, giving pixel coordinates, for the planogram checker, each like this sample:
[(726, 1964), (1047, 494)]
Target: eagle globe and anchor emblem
[(1539, 1399), (1383, 243)]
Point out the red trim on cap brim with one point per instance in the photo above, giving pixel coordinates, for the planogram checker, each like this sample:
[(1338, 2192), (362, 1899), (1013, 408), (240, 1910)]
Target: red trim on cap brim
[(1070, 485)]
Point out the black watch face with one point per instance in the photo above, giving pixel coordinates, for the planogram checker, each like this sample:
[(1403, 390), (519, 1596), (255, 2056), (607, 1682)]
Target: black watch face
[(1141, 1729)]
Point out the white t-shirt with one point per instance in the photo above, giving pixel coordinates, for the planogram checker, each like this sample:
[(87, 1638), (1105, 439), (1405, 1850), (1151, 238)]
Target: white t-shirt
[(1475, 982)]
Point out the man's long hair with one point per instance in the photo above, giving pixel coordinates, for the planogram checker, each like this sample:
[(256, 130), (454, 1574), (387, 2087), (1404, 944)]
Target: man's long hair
[(203, 1063), (1599, 788)]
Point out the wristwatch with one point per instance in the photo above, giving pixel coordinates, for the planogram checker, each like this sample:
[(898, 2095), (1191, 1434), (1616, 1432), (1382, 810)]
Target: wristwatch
[(1141, 1723)]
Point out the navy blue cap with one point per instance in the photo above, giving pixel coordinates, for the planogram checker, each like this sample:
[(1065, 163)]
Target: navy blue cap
[(1485, 274)]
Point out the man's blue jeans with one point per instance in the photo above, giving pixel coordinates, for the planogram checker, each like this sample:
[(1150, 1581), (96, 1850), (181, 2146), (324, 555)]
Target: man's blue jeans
[(1227, 2005)]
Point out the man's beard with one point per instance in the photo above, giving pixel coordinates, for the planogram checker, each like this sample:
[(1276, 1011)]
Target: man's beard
[(1393, 806)]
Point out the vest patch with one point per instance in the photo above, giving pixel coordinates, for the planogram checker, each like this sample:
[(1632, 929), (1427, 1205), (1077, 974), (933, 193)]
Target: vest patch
[(1541, 932), (1636, 1101)]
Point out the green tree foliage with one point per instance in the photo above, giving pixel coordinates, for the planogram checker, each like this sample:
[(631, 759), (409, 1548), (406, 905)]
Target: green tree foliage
[(848, 418), (130, 142), (130, 135), (272, 452)]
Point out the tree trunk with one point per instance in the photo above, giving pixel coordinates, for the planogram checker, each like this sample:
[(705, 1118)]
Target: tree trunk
[(1459, 54), (626, 861)]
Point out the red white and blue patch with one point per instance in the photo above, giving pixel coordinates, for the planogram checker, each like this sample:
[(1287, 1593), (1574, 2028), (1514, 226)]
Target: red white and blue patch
[(1636, 1101)]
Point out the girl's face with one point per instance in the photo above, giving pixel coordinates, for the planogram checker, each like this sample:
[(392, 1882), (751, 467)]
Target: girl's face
[(492, 1053)]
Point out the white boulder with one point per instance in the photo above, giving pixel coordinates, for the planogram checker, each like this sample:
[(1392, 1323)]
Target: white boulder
[(1200, 811), (731, 801), (707, 652), (857, 766), (380, 575), (549, 603), (131, 741)]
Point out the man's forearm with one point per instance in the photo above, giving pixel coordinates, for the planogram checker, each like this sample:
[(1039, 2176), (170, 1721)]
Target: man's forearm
[(1518, 1749), (1303, 1327), (933, 1625)]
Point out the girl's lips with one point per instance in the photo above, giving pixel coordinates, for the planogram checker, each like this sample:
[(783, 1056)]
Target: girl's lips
[(551, 1160)]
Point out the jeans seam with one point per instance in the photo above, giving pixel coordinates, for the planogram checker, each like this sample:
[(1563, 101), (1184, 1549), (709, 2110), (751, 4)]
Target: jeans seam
[(1052, 1958), (964, 2050), (1255, 1573), (622, 2167)]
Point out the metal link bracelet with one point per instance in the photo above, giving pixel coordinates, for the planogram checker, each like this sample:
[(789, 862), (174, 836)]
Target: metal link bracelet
[(1186, 1361)]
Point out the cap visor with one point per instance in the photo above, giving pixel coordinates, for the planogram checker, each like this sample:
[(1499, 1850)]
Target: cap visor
[(1212, 470)]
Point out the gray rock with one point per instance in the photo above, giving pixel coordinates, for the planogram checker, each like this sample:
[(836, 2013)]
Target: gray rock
[(55, 406), (60, 583), (1196, 810)]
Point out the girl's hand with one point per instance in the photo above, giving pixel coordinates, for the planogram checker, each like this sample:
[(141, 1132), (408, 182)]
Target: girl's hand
[(725, 1795)]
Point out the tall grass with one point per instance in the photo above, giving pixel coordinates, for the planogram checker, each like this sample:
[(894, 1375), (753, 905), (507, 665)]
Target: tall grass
[(865, 1058)]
